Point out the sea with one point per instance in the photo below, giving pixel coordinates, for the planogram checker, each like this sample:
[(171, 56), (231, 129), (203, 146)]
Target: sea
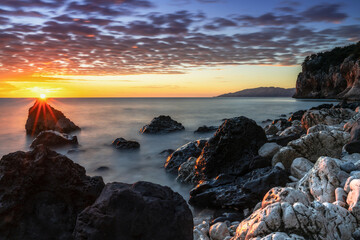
[(102, 120)]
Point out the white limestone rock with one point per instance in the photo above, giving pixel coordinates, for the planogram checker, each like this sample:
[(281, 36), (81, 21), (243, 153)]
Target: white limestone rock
[(323, 127), (326, 117), (219, 231), (300, 166), (269, 149)]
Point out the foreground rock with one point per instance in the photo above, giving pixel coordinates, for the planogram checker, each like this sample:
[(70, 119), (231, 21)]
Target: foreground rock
[(354, 145), (41, 194), (182, 154), (162, 124), (139, 211), (231, 149), (312, 146), (122, 143), (54, 139), (43, 117)]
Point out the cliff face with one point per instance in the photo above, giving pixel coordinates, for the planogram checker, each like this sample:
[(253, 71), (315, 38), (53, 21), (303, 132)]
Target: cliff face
[(334, 74)]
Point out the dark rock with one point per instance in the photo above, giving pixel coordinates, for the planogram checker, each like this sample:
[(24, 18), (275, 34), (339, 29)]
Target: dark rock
[(281, 123), (282, 115), (162, 124), (121, 143), (348, 167), (353, 147), (44, 117), (205, 129), (354, 144), (167, 152), (267, 120), (345, 104), (284, 140), (182, 154), (356, 235), (296, 115), (73, 151), (231, 217), (139, 211), (102, 169), (231, 149), (322, 106), (239, 192), (41, 194), (52, 138)]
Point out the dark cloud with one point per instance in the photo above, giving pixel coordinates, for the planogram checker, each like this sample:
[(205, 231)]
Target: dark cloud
[(268, 19), (220, 23), (325, 13), (30, 3), (21, 13), (286, 9)]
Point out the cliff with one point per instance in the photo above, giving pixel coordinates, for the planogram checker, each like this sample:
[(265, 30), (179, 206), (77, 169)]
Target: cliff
[(332, 74), (262, 92)]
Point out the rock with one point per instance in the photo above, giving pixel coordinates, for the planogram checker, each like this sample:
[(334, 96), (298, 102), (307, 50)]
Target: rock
[(322, 127), (292, 178), (162, 124), (326, 117), (354, 145), (122, 144), (323, 106), (280, 236), (321, 181), (232, 148), (353, 198), (356, 234), (281, 123), (340, 195), (182, 154), (167, 152), (43, 117), (102, 169), (293, 130), (271, 130), (282, 115), (280, 194), (41, 194), (300, 166), (237, 192), (296, 115), (280, 165), (284, 140), (347, 184), (348, 167), (142, 210), (269, 149), (228, 217), (219, 231), (312, 146), (315, 221), (186, 172), (206, 129), (52, 138)]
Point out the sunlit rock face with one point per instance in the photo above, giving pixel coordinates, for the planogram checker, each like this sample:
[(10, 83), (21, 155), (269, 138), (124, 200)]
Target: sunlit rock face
[(231, 149), (43, 117), (140, 211), (326, 117), (41, 194), (162, 124), (334, 74), (52, 138)]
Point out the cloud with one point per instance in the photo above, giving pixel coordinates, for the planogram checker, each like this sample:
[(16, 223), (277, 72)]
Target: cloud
[(220, 23), (268, 19), (325, 13)]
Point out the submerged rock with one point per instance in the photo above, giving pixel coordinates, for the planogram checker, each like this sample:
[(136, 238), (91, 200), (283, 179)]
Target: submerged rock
[(162, 124), (41, 194), (231, 149), (43, 117), (206, 129), (52, 138), (122, 143), (140, 211)]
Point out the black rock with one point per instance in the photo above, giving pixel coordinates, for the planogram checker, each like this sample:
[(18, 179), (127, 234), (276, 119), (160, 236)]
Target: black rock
[(322, 106), (231, 217), (284, 140), (296, 115), (354, 144), (231, 149), (43, 117), (162, 124), (238, 192), (206, 129), (345, 104), (267, 120), (140, 211), (102, 169), (282, 115), (356, 235), (281, 123), (348, 167), (52, 138), (41, 194), (121, 143), (182, 154), (167, 152)]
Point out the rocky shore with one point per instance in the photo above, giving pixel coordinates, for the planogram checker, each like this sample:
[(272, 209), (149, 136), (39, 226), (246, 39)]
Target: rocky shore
[(295, 178)]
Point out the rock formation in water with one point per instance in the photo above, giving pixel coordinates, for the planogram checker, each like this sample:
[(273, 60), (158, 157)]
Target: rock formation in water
[(44, 117), (122, 143), (333, 74), (52, 138), (162, 124), (262, 92)]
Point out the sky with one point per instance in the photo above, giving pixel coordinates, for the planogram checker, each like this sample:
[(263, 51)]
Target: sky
[(164, 48)]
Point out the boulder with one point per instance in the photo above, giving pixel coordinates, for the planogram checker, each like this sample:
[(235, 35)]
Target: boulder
[(219, 231), (322, 106), (353, 198), (228, 191), (206, 129), (182, 154), (281, 123), (41, 194), (354, 145), (322, 127), (44, 117), (122, 143), (231, 149), (52, 138), (296, 115), (322, 180), (292, 130), (312, 146), (186, 171), (140, 211), (300, 166), (162, 124), (326, 117), (284, 194), (271, 130), (269, 150)]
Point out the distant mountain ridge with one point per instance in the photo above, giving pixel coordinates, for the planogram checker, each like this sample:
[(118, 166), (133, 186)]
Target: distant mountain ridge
[(262, 92)]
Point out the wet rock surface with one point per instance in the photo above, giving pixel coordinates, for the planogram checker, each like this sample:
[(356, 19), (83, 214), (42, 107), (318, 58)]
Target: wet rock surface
[(162, 124), (52, 138), (123, 144), (206, 129), (139, 211), (41, 194), (44, 117)]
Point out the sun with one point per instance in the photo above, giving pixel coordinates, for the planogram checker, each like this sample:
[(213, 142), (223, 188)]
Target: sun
[(43, 96)]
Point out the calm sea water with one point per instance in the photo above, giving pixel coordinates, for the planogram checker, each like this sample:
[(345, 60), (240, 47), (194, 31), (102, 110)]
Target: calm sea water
[(103, 120)]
